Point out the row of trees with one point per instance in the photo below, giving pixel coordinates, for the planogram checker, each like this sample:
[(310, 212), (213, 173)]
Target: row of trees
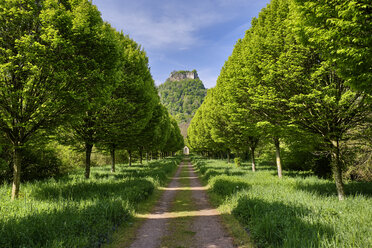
[(304, 68), (67, 73)]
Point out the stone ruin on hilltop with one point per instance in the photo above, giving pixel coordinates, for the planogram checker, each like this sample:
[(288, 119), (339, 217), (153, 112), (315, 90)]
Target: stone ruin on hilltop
[(181, 75)]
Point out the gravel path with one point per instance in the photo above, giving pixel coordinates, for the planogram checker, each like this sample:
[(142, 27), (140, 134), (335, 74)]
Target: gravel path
[(206, 220)]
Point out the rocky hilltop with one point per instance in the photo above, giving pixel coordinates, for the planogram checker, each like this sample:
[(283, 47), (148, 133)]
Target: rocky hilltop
[(182, 93), (182, 75)]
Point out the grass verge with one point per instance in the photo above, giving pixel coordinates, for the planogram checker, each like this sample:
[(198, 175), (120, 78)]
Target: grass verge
[(295, 211), (75, 212)]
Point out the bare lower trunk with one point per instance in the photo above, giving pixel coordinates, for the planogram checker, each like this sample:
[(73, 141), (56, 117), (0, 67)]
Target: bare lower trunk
[(147, 156), (88, 153), (253, 159), (337, 170), (278, 160), (130, 157), (140, 153), (112, 158), (228, 157), (17, 160)]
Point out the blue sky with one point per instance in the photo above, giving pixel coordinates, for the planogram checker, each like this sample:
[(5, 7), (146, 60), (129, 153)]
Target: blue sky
[(183, 35)]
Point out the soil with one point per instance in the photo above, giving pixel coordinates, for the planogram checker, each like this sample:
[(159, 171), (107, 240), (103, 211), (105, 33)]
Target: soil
[(195, 224)]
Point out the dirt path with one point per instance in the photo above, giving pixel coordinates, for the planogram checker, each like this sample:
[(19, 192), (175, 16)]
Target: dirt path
[(151, 232), (209, 232), (183, 217)]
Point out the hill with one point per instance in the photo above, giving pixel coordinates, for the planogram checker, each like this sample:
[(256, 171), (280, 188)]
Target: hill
[(182, 94)]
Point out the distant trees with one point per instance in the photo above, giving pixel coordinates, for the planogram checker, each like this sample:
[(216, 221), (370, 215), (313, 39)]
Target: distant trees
[(62, 66), (281, 78), (182, 98)]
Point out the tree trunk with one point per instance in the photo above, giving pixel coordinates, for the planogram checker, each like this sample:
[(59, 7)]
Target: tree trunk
[(140, 154), (17, 160), (228, 157), (112, 158), (130, 157), (337, 170), (88, 153), (278, 160), (253, 159), (147, 157)]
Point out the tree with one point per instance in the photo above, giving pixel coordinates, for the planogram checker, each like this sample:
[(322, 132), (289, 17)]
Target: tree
[(327, 107), (132, 101), (37, 75), (318, 98), (141, 96), (309, 90), (238, 123), (175, 141), (96, 51), (216, 120), (341, 32), (199, 136), (248, 81)]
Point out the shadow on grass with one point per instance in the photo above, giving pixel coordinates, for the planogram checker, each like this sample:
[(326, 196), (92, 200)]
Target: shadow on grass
[(133, 190), (274, 224), (227, 185), (294, 174), (328, 188), (72, 225)]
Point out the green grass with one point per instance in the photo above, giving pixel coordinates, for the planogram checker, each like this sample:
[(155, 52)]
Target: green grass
[(74, 212), (296, 211)]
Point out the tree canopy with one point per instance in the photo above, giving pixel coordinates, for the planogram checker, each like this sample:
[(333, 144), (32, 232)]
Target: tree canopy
[(282, 79), (64, 70)]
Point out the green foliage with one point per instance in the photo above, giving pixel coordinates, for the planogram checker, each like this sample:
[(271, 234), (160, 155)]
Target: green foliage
[(341, 31), (64, 70), (237, 161), (282, 80), (297, 209), (182, 98), (74, 212)]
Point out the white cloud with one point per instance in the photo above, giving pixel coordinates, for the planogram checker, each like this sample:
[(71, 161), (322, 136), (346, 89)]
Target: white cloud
[(179, 34), (170, 25)]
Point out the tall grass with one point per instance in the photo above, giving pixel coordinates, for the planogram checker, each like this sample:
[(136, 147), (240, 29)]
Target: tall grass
[(296, 211), (75, 212)]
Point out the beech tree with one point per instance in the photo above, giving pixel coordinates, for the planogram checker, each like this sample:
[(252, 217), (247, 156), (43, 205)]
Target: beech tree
[(37, 75)]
